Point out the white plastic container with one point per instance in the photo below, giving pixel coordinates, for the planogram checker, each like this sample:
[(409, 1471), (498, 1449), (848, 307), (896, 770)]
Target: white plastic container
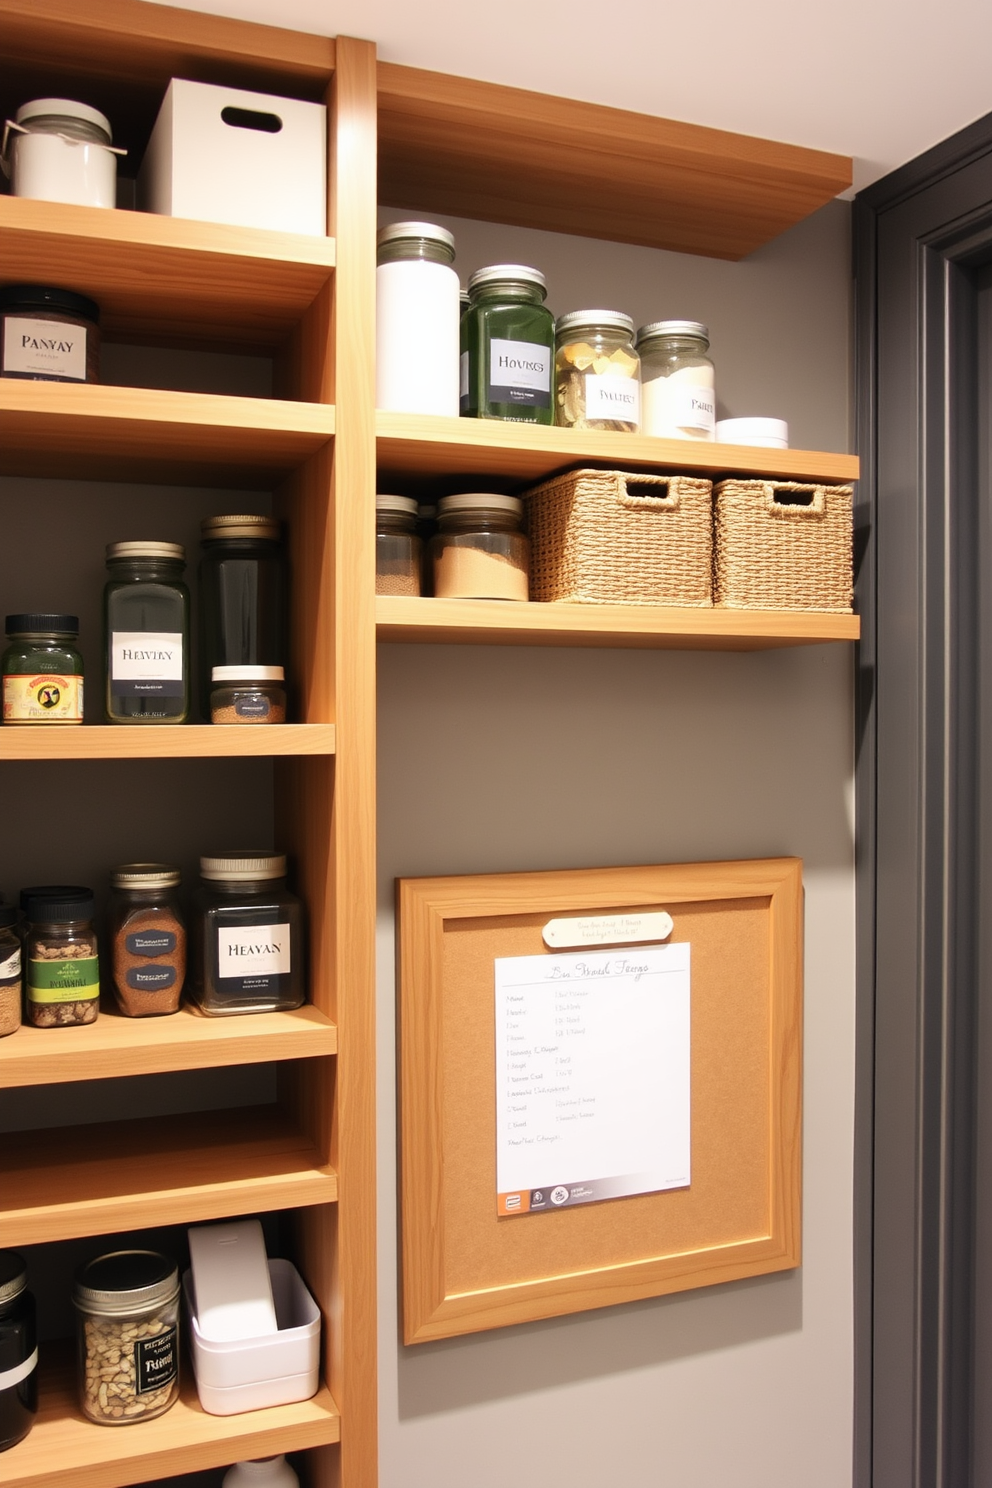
[(418, 309), (230, 1280), (265, 1472), (57, 150), (227, 155), (768, 433), (249, 1374)]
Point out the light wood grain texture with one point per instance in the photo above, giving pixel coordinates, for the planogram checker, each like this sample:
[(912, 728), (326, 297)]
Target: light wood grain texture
[(184, 741), (739, 1217), (116, 1046), (418, 445), (491, 622), (117, 433), (165, 280), (65, 1450), (475, 149), (97, 1179)]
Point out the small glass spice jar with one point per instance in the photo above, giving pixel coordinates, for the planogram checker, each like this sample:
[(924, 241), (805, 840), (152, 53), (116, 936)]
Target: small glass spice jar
[(248, 954), (62, 959), (248, 694), (127, 1313), (417, 315), (597, 371), (480, 551), (10, 971), (146, 630), (42, 670), (48, 334), (18, 1352), (398, 549), (507, 346), (147, 939), (678, 400)]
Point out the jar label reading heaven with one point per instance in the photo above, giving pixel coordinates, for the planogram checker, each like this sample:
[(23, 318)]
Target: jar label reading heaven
[(49, 698), (44, 348), (156, 1361), (74, 980), (254, 951), (610, 397), (150, 942), (146, 663), (520, 373)]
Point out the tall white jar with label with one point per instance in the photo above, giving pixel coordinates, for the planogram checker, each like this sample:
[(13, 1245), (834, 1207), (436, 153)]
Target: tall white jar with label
[(417, 313), (248, 937), (678, 397)]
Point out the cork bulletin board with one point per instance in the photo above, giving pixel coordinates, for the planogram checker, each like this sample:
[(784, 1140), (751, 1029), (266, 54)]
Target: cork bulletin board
[(467, 1266)]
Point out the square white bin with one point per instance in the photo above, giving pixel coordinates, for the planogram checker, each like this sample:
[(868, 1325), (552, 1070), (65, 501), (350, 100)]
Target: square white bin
[(226, 155), (247, 1374)]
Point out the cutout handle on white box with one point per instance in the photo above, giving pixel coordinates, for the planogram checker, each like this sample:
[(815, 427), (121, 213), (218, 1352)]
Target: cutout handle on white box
[(243, 118)]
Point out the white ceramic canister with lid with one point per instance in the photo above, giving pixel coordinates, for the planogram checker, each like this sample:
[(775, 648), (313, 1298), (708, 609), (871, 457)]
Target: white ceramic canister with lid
[(265, 1472), (58, 150), (418, 310)]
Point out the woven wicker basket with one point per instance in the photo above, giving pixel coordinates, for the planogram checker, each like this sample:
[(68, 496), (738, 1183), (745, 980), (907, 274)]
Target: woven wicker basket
[(781, 545), (596, 539)]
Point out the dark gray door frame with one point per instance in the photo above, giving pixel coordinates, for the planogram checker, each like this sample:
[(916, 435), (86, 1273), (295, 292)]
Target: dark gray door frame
[(920, 235)]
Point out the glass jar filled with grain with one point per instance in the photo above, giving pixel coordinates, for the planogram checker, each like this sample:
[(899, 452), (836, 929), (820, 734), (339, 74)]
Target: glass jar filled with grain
[(248, 694), (398, 549), (677, 380), (127, 1307), (597, 371), (480, 550), (147, 939), (63, 967)]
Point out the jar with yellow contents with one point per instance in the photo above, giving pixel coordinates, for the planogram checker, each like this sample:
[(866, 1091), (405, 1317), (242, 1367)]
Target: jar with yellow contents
[(597, 372)]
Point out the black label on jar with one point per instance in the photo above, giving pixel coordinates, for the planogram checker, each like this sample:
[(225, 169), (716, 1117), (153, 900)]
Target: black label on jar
[(156, 1361), (151, 978), (150, 942), (252, 707)]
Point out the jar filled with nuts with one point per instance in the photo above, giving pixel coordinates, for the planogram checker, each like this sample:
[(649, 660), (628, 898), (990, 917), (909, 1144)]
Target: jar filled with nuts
[(597, 372), (63, 968), (127, 1307)]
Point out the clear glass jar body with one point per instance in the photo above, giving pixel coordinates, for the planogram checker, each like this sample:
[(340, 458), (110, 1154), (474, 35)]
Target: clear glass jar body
[(480, 555), (11, 980), (398, 553), (678, 400), (62, 972), (248, 948), (248, 702), (147, 949), (597, 379), (128, 1362), (507, 354), (42, 679), (243, 606), (18, 1345), (417, 315), (146, 639)]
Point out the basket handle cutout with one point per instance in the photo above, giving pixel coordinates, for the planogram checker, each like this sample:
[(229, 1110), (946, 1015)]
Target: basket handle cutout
[(794, 499), (625, 496)]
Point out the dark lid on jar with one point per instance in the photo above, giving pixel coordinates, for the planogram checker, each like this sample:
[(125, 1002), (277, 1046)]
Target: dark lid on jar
[(43, 909), (145, 876), (164, 551), (13, 1275), (8, 916), (262, 529), (38, 624), (125, 1281), (45, 297), (244, 867), (65, 892)]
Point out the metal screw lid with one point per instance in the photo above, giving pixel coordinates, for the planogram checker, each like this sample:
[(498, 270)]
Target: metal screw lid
[(13, 1275), (480, 501), (63, 108), (660, 328), (265, 529), (611, 320), (244, 867), (125, 1282), (38, 624), (248, 674), (174, 552), (396, 504), (411, 231), (507, 274), (145, 876)]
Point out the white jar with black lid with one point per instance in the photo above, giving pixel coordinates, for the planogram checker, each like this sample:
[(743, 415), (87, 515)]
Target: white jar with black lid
[(127, 1307), (18, 1351)]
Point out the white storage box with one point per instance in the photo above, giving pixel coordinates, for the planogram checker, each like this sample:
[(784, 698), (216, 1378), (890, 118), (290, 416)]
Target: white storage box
[(225, 155), (247, 1374)]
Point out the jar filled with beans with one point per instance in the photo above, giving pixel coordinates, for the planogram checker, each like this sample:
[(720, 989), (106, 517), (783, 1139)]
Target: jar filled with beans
[(127, 1309), (62, 972)]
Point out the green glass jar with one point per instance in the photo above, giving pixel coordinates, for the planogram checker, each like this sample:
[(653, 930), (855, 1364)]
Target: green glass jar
[(507, 347), (42, 670), (146, 625)]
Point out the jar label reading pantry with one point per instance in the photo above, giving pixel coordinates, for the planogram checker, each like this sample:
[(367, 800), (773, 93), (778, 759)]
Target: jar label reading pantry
[(671, 405), (146, 663), (156, 1361), (44, 348), (150, 942), (49, 698), (520, 373), (254, 951), (73, 980), (617, 398)]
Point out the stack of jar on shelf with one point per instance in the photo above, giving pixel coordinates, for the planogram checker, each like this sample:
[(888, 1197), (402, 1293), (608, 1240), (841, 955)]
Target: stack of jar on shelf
[(146, 661), (247, 951)]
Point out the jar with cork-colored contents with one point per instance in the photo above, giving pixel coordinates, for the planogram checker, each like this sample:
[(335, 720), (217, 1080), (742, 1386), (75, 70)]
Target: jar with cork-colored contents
[(147, 939), (11, 980), (127, 1313), (398, 548), (248, 694), (597, 371), (678, 398), (62, 966), (480, 550)]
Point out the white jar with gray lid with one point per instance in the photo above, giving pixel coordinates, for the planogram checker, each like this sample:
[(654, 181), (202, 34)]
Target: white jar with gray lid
[(678, 398), (55, 149), (417, 313)]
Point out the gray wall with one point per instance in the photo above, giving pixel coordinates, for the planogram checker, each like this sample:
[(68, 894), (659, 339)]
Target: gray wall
[(501, 759)]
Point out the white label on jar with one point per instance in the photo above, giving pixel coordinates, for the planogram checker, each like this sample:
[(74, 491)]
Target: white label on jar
[(10, 969), (147, 656), (613, 397), (519, 372), (682, 406), (254, 950), (44, 348)]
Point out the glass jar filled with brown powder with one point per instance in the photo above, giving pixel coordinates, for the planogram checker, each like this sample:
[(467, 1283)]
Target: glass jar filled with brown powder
[(147, 939)]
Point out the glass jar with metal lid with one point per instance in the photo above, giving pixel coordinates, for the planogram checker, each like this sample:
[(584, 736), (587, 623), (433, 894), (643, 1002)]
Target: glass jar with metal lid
[(597, 371), (398, 549), (18, 1351), (417, 314), (42, 670), (48, 334), (10, 971), (480, 551), (243, 596), (62, 970), (248, 954), (507, 346), (678, 400), (55, 149), (147, 939), (146, 629), (248, 694), (127, 1310)]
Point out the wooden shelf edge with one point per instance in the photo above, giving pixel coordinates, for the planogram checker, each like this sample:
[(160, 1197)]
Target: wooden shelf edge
[(500, 623), (185, 741)]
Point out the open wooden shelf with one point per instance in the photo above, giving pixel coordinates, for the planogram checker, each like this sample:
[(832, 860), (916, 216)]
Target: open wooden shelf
[(183, 741), (114, 1045), (65, 1450), (493, 622), (94, 1180), (101, 432), (164, 279), (410, 444)]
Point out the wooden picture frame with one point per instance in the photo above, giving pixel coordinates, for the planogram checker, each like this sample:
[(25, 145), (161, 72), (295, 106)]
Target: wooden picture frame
[(465, 1269)]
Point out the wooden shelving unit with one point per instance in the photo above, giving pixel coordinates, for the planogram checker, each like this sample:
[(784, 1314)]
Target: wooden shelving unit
[(192, 741)]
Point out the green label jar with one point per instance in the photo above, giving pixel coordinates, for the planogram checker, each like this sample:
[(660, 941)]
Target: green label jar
[(507, 347), (63, 968)]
